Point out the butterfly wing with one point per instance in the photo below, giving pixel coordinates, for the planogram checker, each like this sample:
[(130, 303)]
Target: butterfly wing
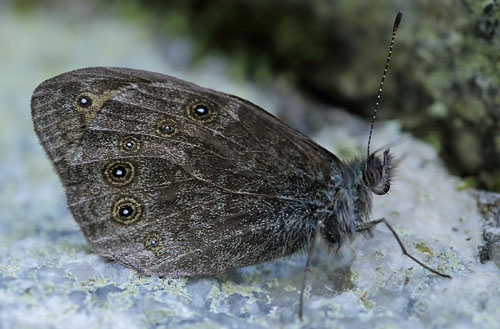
[(174, 179)]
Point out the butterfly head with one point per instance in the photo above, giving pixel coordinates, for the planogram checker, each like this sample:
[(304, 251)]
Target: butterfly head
[(377, 173)]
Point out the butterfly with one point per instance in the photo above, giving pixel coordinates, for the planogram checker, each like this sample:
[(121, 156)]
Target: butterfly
[(173, 179)]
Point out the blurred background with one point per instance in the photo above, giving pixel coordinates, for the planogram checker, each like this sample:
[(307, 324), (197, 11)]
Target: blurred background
[(443, 84)]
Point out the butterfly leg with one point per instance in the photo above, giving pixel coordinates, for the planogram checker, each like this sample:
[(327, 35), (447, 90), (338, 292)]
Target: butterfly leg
[(319, 225), (368, 225)]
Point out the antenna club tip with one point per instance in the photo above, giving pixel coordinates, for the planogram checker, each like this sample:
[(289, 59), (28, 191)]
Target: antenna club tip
[(398, 18)]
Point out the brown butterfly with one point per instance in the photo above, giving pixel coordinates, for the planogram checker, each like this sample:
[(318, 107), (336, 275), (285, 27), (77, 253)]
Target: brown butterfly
[(173, 179)]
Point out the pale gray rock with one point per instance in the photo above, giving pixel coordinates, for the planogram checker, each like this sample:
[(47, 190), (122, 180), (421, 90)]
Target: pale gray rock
[(489, 206)]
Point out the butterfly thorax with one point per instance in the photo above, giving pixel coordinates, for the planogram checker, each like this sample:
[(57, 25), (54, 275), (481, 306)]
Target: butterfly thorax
[(349, 195)]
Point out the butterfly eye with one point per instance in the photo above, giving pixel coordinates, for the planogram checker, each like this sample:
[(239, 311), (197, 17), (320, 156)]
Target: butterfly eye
[(119, 173), (126, 211), (84, 101), (377, 174), (129, 144), (201, 110), (373, 176), (166, 128)]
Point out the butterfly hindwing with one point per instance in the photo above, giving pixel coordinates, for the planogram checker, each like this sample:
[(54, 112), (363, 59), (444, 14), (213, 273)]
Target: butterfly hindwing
[(173, 179)]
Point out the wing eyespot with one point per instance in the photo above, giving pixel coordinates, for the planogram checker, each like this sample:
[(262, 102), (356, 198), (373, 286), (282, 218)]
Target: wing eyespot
[(84, 101), (166, 128), (154, 242), (201, 110), (130, 144), (119, 173), (126, 211)]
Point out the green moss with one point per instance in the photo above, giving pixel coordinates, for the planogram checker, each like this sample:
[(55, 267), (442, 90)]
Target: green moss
[(433, 139), (469, 182), (367, 303), (229, 287), (424, 249)]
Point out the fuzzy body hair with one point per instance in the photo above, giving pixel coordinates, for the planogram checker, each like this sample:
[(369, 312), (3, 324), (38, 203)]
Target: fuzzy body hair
[(350, 197)]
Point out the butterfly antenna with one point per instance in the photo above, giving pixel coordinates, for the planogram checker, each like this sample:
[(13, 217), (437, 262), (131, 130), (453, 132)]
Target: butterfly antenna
[(394, 31)]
